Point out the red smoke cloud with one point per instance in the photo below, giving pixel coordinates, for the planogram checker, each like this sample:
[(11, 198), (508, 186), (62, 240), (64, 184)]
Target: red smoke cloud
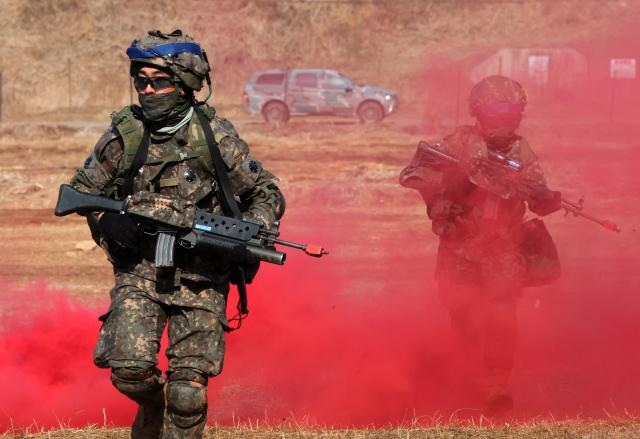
[(47, 375), (361, 339), (339, 343)]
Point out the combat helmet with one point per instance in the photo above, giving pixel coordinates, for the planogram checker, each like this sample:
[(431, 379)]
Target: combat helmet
[(497, 94), (175, 52)]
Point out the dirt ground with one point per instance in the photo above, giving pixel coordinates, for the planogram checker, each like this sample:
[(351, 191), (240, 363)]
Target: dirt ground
[(340, 180), (329, 168), (355, 165)]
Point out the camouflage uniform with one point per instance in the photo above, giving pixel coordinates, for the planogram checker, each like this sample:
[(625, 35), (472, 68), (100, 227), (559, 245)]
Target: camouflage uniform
[(481, 266), (191, 297)]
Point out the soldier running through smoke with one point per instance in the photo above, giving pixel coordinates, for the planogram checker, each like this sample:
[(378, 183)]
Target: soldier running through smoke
[(487, 252), (168, 146)]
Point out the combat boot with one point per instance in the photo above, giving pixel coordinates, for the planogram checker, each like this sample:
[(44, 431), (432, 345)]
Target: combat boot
[(148, 421), (498, 402), (146, 387)]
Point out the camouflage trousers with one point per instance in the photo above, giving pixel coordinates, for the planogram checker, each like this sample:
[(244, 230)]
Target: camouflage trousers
[(484, 323), (129, 340)]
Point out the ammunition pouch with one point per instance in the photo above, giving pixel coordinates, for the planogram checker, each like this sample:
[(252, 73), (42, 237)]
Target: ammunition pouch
[(540, 253)]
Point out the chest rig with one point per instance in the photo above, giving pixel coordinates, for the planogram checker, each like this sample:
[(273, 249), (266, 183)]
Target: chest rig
[(202, 154), (195, 155)]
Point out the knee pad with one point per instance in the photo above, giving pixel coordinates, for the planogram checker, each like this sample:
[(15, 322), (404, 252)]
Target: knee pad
[(137, 383), (187, 397)]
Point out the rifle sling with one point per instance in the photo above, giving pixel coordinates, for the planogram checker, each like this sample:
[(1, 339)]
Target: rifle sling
[(230, 207), (229, 204)]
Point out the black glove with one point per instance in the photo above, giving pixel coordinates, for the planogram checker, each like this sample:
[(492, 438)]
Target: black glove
[(447, 217), (121, 228), (545, 202)]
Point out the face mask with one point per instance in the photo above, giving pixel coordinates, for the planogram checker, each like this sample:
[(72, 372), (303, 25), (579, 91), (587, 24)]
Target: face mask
[(499, 129), (499, 138), (164, 106)]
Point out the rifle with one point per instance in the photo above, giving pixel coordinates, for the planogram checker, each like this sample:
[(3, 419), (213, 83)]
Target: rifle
[(178, 221), (498, 164)]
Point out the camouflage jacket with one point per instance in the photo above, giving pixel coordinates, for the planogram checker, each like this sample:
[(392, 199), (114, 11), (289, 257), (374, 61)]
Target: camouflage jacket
[(187, 179), (476, 226)]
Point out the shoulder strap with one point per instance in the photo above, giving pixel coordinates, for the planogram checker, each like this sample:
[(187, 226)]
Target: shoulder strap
[(133, 137), (138, 160), (230, 208), (228, 202)]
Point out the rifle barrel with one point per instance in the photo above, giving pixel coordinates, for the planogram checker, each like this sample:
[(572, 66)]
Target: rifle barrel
[(290, 244), (571, 207), (316, 251)]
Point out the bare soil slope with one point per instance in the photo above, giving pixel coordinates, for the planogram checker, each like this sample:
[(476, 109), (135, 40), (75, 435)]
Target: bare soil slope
[(69, 54)]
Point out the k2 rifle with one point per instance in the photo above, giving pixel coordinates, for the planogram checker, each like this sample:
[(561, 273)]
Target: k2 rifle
[(500, 165), (179, 222)]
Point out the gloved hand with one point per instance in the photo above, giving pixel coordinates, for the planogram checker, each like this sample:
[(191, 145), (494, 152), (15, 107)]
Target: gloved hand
[(121, 228), (446, 217), (545, 202)]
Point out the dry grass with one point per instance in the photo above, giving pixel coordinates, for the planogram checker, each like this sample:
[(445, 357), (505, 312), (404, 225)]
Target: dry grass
[(382, 43), (586, 429)]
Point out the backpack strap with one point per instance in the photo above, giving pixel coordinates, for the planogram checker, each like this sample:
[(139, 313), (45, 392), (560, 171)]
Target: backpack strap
[(133, 135), (198, 139), (229, 204)]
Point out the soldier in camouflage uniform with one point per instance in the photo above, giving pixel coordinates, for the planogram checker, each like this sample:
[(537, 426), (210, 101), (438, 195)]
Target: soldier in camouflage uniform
[(190, 297), (482, 261)]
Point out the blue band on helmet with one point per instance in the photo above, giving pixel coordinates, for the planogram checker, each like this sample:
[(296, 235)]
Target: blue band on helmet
[(164, 50), (501, 107)]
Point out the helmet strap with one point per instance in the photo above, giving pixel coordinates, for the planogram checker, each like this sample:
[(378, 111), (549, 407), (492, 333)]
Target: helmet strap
[(207, 78)]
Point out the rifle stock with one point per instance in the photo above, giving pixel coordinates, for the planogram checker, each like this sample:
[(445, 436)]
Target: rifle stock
[(71, 200)]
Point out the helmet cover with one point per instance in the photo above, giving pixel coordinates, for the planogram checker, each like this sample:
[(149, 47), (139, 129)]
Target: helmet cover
[(176, 53), (497, 94)]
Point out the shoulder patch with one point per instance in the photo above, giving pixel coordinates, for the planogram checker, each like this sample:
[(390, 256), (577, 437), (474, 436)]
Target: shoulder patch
[(234, 150), (223, 126), (106, 139)]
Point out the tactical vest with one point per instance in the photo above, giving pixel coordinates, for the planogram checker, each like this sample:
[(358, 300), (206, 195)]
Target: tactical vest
[(130, 129)]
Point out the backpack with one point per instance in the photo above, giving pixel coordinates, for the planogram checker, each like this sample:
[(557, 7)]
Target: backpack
[(128, 124)]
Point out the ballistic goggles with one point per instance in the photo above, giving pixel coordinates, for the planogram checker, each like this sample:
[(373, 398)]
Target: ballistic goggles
[(500, 108), (157, 82)]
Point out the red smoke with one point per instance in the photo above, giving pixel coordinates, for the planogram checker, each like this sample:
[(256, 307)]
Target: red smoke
[(47, 375), (338, 343), (361, 339)]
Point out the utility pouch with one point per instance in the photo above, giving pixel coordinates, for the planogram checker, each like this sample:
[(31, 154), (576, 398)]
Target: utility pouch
[(541, 254)]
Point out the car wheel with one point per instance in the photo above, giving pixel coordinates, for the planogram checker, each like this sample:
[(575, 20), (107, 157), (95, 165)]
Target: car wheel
[(275, 113), (370, 112)]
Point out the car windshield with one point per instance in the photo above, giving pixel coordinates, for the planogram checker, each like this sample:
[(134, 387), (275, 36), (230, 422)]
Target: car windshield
[(348, 82), (270, 79)]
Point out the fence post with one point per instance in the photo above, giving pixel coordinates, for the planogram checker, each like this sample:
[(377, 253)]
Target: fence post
[(458, 75), (69, 101), (1, 97)]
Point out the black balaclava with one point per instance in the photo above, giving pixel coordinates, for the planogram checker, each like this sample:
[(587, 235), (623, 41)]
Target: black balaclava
[(499, 129), (164, 108)]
